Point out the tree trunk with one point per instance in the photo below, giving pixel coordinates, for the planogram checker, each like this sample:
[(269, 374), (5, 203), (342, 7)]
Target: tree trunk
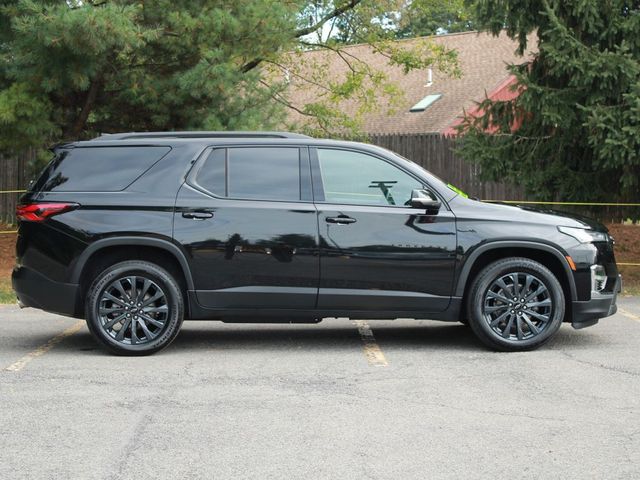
[(78, 126)]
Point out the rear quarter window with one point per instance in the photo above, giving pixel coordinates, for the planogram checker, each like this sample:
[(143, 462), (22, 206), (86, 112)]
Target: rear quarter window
[(97, 169)]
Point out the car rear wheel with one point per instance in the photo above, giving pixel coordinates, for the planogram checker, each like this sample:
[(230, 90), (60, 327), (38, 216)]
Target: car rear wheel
[(134, 308), (515, 304)]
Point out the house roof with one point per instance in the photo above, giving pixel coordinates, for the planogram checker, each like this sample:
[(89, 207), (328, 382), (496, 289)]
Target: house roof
[(482, 59)]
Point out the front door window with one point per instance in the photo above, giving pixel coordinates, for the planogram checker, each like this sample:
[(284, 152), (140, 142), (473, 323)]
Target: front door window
[(359, 179)]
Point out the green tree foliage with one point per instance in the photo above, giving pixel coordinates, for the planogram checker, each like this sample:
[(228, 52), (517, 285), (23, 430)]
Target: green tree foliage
[(574, 131), (70, 69), (395, 19), (432, 17)]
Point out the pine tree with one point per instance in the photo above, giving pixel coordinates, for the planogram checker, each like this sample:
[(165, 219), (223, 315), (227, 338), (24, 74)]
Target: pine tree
[(573, 132), (69, 70)]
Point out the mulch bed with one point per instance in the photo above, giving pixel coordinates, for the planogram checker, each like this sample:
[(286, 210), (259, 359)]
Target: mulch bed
[(628, 251), (7, 252)]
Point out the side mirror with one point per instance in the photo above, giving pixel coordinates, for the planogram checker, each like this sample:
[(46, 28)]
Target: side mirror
[(425, 199)]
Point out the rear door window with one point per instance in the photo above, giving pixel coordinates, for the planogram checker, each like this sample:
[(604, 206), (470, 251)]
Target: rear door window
[(262, 173), (97, 169)]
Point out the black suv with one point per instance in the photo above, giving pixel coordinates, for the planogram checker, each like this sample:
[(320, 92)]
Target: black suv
[(136, 232)]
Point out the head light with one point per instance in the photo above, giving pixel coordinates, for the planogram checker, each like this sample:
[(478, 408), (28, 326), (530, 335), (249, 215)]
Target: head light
[(585, 235)]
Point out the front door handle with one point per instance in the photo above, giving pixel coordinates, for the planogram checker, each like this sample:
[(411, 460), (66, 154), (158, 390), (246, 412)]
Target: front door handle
[(340, 220), (197, 215)]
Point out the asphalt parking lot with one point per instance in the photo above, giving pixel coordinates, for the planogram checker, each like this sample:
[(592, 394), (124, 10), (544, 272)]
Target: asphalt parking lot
[(340, 399)]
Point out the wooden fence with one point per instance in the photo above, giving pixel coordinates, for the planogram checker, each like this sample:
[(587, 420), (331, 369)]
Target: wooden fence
[(13, 176), (435, 153)]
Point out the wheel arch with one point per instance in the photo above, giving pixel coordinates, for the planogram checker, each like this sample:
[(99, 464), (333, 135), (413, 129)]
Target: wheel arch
[(545, 254), (108, 251)]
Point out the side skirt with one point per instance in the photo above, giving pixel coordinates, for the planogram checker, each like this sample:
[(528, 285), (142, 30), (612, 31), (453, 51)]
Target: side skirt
[(197, 312)]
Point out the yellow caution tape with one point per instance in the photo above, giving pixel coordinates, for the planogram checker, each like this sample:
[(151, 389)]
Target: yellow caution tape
[(9, 231), (584, 204), (12, 191)]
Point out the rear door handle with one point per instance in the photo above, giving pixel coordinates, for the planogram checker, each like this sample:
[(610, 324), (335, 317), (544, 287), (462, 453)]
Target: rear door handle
[(197, 215), (341, 220)]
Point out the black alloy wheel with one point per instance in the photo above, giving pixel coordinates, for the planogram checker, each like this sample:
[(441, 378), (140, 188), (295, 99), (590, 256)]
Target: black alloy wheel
[(515, 304), (518, 306), (134, 308)]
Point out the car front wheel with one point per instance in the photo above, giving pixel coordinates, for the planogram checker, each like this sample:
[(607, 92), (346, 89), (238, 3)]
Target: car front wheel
[(515, 304), (134, 308)]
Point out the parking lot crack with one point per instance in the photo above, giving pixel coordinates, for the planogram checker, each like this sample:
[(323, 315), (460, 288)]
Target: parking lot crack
[(130, 447), (601, 365)]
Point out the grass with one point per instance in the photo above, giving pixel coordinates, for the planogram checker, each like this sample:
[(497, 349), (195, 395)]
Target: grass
[(6, 292)]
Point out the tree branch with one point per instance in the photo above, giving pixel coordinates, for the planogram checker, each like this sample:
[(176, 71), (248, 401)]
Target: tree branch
[(294, 73), (336, 12), (338, 51), (251, 65), (278, 98)]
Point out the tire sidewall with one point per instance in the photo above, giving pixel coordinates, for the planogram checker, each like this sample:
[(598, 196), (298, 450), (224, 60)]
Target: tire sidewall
[(480, 287), (142, 269)]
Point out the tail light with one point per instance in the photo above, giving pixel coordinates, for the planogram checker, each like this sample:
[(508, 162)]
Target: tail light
[(37, 212)]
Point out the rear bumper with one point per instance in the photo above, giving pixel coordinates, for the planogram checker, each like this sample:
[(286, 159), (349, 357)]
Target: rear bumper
[(36, 290), (601, 305)]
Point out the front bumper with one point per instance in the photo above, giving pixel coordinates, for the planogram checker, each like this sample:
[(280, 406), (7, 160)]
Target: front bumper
[(36, 290), (587, 313)]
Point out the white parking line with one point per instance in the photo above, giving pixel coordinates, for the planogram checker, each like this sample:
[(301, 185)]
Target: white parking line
[(42, 349), (630, 315), (372, 351)]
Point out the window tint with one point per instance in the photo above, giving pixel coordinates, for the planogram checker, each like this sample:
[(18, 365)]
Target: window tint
[(264, 173), (97, 169), (357, 178)]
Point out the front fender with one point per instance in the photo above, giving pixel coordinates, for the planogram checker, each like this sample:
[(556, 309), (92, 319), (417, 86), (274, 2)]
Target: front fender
[(482, 249)]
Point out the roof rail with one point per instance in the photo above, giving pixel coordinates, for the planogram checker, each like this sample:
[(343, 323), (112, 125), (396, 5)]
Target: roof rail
[(198, 134)]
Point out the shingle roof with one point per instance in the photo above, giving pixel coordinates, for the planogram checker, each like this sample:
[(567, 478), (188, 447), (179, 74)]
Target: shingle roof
[(482, 58)]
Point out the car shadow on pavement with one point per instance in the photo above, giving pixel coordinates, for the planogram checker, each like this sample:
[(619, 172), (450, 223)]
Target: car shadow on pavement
[(257, 337), (341, 337)]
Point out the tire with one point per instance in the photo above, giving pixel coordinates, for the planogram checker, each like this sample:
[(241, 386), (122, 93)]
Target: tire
[(157, 312), (524, 324)]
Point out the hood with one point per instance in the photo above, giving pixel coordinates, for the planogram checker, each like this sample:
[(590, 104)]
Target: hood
[(525, 213)]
